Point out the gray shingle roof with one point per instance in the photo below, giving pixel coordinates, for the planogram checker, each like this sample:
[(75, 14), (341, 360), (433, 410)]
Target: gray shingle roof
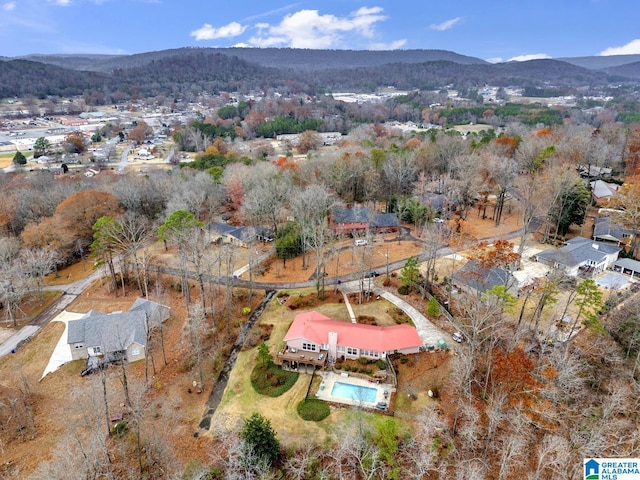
[(116, 331), (603, 189), (384, 220), (481, 278), (628, 264), (351, 215), (242, 233), (607, 227), (577, 251)]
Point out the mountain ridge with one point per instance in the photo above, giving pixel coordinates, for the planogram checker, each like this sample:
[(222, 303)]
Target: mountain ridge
[(172, 72)]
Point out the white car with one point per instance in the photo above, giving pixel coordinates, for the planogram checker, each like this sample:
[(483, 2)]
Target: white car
[(458, 337), (360, 242)]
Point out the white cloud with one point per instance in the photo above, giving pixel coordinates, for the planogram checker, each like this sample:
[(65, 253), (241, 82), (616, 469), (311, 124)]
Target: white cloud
[(207, 32), (526, 58), (309, 29), (396, 45), (631, 48), (494, 60), (61, 3), (446, 25), (7, 7), (242, 45)]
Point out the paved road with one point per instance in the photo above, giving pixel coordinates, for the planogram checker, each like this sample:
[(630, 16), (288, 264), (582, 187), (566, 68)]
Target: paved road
[(17, 339), (124, 159), (71, 292)]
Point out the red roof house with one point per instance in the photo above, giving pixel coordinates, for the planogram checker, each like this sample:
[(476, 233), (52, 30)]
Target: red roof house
[(313, 332)]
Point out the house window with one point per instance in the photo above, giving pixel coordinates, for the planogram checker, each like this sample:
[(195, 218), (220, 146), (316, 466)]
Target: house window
[(352, 351), (340, 348), (77, 345), (310, 347), (135, 352), (97, 349)]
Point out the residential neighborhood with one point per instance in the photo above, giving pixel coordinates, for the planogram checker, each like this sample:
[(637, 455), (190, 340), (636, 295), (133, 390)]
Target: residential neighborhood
[(229, 276)]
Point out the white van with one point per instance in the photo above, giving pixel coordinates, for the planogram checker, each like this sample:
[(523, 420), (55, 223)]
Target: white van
[(361, 242)]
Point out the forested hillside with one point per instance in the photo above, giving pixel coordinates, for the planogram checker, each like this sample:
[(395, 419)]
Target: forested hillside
[(170, 72)]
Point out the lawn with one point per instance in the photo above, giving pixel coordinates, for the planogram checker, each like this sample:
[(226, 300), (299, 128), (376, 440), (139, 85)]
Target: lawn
[(313, 410), (271, 380)]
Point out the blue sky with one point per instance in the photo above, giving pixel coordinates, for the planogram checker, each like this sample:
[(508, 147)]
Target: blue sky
[(494, 30)]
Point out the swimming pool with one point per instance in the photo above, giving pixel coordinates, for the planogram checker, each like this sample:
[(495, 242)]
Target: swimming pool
[(354, 392)]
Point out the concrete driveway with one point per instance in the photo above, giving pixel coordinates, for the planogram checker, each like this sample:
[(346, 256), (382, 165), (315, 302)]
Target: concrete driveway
[(61, 354), (428, 332)]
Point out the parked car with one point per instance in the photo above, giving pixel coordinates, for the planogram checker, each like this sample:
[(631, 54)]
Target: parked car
[(361, 242), (372, 274), (381, 405), (458, 337)]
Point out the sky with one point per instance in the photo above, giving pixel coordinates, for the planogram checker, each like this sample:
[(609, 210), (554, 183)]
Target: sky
[(493, 30)]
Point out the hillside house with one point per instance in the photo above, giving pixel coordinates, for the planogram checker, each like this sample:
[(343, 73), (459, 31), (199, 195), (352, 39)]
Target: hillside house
[(240, 236), (606, 229), (313, 338), (359, 220), (112, 336), (601, 191), (476, 278), (579, 255)]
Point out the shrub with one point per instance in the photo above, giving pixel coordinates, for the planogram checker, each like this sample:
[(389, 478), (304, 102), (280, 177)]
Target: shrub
[(120, 428), (347, 368), (403, 289), (363, 360), (272, 380), (433, 309), (313, 409), (404, 360), (246, 311)]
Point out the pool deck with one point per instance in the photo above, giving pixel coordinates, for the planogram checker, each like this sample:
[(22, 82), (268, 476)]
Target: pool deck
[(330, 378)]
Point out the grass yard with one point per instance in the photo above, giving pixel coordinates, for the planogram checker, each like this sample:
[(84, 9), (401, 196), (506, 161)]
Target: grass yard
[(70, 274), (6, 159), (32, 305), (313, 410), (240, 400)]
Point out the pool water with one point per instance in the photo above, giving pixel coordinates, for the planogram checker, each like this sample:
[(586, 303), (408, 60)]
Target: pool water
[(354, 392)]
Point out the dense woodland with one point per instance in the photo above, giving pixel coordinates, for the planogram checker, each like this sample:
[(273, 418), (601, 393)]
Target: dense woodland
[(176, 73)]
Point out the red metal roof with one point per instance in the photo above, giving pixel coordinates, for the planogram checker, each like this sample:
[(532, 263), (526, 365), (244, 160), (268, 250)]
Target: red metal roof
[(315, 327)]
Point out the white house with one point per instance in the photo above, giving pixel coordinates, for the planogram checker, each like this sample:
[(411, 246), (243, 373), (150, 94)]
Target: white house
[(580, 253)]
